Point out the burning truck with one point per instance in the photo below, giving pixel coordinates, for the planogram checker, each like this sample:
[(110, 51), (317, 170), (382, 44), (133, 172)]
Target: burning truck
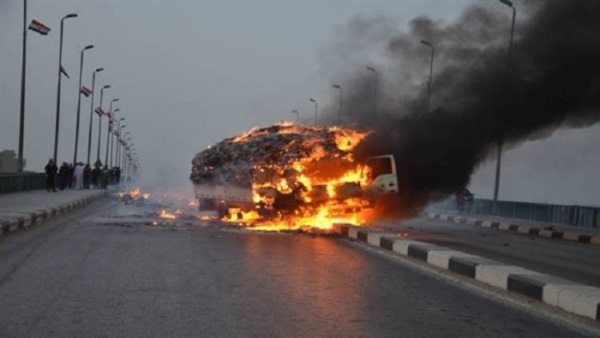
[(289, 176)]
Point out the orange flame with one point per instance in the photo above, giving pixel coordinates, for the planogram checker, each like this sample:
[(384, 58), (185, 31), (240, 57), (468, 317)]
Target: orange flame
[(167, 215), (327, 186)]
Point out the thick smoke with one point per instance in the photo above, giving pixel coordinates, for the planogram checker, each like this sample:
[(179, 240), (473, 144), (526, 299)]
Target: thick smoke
[(479, 98)]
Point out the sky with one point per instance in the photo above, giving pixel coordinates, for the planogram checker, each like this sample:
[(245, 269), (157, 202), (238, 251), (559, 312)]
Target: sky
[(190, 73)]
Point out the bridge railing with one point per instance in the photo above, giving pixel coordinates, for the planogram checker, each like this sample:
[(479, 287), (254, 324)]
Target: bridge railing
[(18, 182), (584, 216)]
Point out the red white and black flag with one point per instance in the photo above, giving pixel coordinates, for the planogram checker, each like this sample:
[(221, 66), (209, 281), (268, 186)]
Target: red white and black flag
[(39, 27), (86, 91), (109, 114), (99, 111), (64, 72)]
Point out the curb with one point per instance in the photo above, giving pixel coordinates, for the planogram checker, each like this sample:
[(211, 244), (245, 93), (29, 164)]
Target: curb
[(18, 220), (522, 229), (572, 297)]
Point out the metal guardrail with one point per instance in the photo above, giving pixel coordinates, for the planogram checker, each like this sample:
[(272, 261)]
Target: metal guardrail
[(20, 182), (576, 215)]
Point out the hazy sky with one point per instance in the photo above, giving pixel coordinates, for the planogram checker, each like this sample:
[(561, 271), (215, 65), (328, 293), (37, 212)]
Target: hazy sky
[(190, 73)]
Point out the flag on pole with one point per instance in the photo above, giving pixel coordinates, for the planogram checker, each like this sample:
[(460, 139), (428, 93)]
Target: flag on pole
[(39, 27), (109, 114), (86, 91), (64, 72), (99, 111)]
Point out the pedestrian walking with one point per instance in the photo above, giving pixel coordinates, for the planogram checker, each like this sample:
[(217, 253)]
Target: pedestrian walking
[(87, 173), (95, 176), (63, 176), (51, 170), (78, 175), (70, 175)]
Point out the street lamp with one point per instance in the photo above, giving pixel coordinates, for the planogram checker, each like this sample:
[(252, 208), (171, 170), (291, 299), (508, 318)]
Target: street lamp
[(122, 148), (117, 134), (43, 30), (374, 89), (112, 137), (341, 98), (79, 102), (100, 123), (316, 108), (430, 80), (297, 115), (500, 140), (92, 114), (110, 112), (60, 73)]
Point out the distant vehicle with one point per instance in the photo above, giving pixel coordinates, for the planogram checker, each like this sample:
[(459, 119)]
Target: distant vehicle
[(270, 201)]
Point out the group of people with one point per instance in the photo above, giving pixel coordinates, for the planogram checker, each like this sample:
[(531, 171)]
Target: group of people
[(80, 176)]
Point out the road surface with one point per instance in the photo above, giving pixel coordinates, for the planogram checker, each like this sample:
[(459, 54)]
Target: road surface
[(101, 272)]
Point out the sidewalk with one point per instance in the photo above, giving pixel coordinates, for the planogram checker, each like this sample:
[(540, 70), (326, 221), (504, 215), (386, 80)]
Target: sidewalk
[(522, 226), (579, 299), (21, 209)]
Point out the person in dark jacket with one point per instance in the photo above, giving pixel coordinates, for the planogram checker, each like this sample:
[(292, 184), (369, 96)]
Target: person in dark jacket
[(87, 175), (70, 175), (63, 176), (95, 176), (51, 170)]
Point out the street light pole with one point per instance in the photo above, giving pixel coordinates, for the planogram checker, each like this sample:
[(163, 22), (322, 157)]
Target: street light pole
[(60, 72), (297, 115), (316, 108), (112, 137), (500, 139), (374, 89), (430, 80), (341, 99), (100, 123), (22, 112), (92, 114), (79, 102), (118, 135), (43, 30), (109, 129), (121, 164)]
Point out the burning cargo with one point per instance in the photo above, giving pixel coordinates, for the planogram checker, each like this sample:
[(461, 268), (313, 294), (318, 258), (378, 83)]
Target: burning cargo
[(291, 176)]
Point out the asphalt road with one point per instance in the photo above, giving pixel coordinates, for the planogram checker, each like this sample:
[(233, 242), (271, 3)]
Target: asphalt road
[(87, 275), (574, 261)]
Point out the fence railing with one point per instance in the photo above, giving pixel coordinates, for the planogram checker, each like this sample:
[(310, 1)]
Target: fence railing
[(20, 182), (576, 215)]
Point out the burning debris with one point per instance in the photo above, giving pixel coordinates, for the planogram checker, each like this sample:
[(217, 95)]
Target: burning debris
[(286, 145), (132, 196), (289, 176)]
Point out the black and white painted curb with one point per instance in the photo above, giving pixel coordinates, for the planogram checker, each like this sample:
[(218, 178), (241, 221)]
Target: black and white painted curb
[(522, 229), (572, 297), (18, 220)]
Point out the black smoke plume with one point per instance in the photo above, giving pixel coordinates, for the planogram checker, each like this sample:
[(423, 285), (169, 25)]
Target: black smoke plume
[(480, 96)]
